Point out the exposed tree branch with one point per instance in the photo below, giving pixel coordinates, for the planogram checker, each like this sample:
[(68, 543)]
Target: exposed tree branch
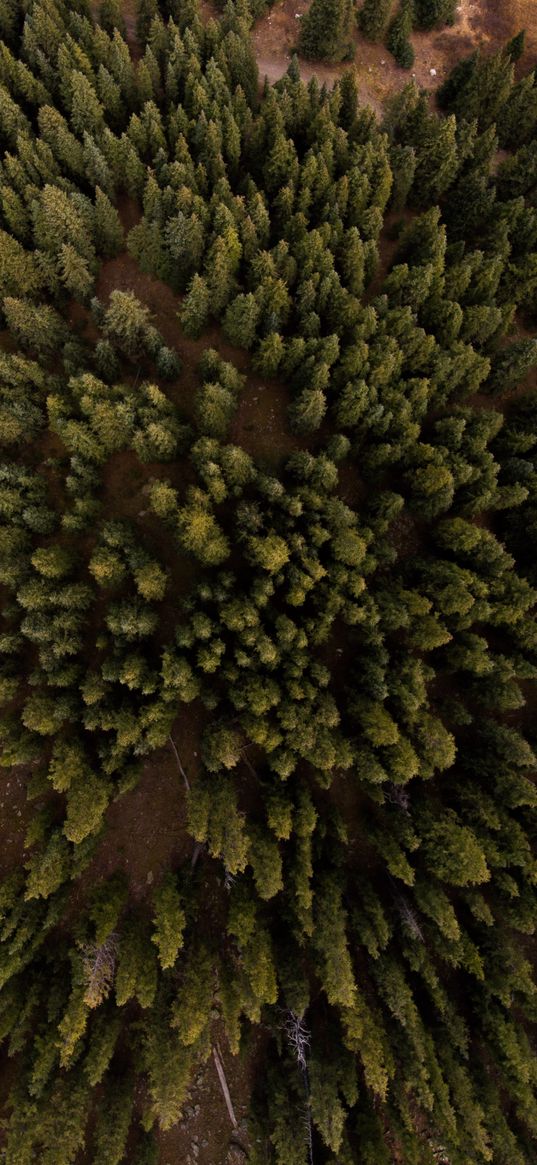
[(224, 1087), (179, 764)]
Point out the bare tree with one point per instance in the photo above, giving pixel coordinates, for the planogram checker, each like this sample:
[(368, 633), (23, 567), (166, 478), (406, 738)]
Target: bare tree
[(409, 918), (179, 764), (99, 964), (299, 1040), (398, 796), (298, 1037), (224, 1085)]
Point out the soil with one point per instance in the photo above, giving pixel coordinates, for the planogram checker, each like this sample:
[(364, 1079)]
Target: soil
[(146, 832), (260, 424), (16, 814), (205, 1135)]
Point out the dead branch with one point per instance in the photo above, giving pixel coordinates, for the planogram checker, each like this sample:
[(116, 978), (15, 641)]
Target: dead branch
[(99, 969), (224, 1087), (198, 850), (179, 765)]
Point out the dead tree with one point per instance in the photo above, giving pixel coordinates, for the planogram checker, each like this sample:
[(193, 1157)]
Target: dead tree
[(299, 1040), (99, 963), (179, 764)]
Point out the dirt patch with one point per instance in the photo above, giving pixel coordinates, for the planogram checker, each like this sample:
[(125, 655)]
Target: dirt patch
[(209, 11), (146, 832), (129, 12), (16, 814), (205, 1136), (130, 212), (483, 24), (352, 489), (523, 14), (260, 425)]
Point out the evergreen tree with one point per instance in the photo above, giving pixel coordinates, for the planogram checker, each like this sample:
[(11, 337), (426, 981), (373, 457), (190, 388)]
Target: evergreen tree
[(169, 923), (127, 322), (38, 328), (108, 229), (374, 17), (111, 16), (146, 11), (515, 48), (325, 30), (434, 12), (398, 40), (196, 308)]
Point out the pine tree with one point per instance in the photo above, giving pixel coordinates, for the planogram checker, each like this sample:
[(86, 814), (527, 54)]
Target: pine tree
[(169, 1065), (108, 229), (374, 17), (169, 922), (515, 48), (87, 112), (240, 321), (136, 974), (431, 13), (87, 801), (325, 30), (398, 41), (75, 273), (38, 328), (196, 309), (127, 322), (511, 365), (65, 146), (9, 16), (113, 1120), (146, 11), (111, 17)]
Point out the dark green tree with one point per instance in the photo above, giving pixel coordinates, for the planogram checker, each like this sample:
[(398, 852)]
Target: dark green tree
[(325, 30)]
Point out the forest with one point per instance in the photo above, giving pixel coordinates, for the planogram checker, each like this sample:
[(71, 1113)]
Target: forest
[(268, 571)]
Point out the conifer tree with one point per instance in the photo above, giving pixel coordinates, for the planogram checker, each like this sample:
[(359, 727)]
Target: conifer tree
[(398, 40), (111, 16), (196, 308), (374, 17), (325, 30), (515, 48), (146, 11), (127, 322), (38, 328), (434, 12), (108, 229), (169, 923)]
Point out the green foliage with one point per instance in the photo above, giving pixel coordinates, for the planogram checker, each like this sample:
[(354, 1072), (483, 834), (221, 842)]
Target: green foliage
[(398, 37), (431, 13), (373, 18), (325, 30), (344, 596), (169, 920), (38, 328), (136, 975), (126, 322)]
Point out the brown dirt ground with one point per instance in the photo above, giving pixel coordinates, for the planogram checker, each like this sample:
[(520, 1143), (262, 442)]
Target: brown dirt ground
[(15, 816), (260, 424), (205, 1121), (480, 23), (146, 828)]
